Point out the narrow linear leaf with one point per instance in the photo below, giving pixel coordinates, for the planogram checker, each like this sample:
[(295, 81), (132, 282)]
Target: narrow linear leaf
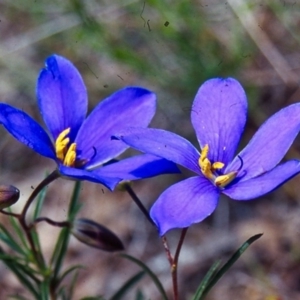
[(26, 283), (64, 236), (26, 270), (128, 285), (230, 262), (21, 264), (8, 239), (18, 297), (44, 290), (36, 241), (72, 285), (139, 295), (150, 273), (211, 272), (18, 229), (68, 271), (39, 202)]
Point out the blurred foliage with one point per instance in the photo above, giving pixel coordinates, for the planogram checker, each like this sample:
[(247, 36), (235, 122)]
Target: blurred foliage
[(168, 46)]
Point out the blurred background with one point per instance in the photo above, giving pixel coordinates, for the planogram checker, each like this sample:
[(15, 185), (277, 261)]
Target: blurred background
[(170, 47)]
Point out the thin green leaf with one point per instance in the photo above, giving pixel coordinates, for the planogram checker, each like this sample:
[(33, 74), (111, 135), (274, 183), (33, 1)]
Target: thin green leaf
[(44, 290), (230, 262), (39, 202), (36, 241), (93, 298), (206, 279), (72, 285), (18, 229), (23, 267), (18, 297), (64, 236), (150, 273), (25, 282), (68, 271), (128, 285), (8, 239), (139, 295)]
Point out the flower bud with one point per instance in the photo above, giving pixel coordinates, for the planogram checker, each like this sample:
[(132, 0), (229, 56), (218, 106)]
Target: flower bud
[(96, 235), (8, 195)]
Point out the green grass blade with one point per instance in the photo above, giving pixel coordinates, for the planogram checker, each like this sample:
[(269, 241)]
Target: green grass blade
[(64, 236), (22, 266), (36, 241), (139, 295), (22, 278), (150, 273), (18, 229), (9, 240), (68, 271), (44, 290), (128, 285), (230, 262), (39, 202), (206, 279)]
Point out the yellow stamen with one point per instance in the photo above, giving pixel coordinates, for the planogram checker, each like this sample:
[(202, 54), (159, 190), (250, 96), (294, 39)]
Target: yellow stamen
[(208, 170), (205, 164), (70, 156), (223, 180), (217, 165), (61, 143), (65, 153)]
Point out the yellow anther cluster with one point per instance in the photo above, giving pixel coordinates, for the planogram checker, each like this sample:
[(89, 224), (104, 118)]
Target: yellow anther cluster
[(208, 169), (64, 153)]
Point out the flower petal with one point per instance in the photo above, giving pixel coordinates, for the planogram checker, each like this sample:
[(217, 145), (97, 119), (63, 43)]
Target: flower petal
[(258, 186), (269, 144), (139, 167), (62, 96), (80, 174), (26, 130), (218, 116), (163, 144), (131, 106), (184, 203)]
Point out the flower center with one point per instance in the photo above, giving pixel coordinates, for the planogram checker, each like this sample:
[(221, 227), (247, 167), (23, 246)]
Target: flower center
[(64, 152), (209, 170)]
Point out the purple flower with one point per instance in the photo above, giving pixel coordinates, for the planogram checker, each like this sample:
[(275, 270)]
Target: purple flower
[(218, 116), (81, 146)]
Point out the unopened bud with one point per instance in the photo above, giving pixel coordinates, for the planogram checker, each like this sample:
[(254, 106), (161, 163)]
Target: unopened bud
[(8, 195), (96, 235)]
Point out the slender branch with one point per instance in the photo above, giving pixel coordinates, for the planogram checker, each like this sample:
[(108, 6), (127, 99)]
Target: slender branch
[(167, 249), (10, 214), (22, 218), (51, 222), (54, 175), (138, 202), (174, 261), (181, 240)]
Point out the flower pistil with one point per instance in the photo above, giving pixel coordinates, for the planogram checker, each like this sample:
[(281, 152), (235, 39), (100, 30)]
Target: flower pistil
[(209, 170)]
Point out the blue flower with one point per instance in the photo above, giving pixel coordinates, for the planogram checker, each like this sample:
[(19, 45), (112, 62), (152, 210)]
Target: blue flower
[(79, 145), (218, 116)]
